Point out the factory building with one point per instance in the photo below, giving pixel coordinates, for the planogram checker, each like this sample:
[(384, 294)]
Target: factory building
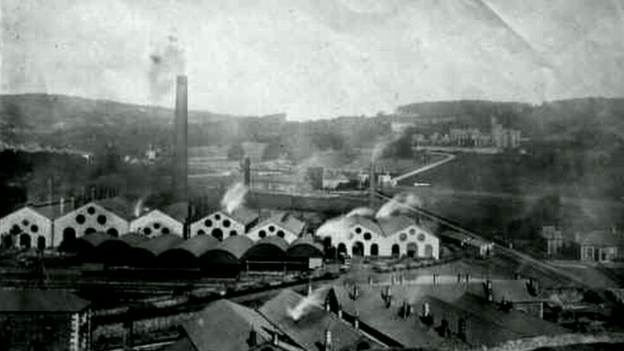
[(283, 225), (146, 253), (26, 228), (109, 216), (440, 316), (118, 251), (155, 223), (222, 224), (187, 253), (225, 258), (44, 320), (393, 236)]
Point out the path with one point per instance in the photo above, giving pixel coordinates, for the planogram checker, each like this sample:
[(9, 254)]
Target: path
[(447, 158)]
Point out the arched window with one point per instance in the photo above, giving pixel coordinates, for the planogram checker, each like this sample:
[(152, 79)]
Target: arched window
[(342, 248), (233, 233), (396, 250), (7, 241), (15, 229), (374, 250), (165, 230), (41, 242), (69, 235), (217, 233), (201, 232), (89, 231), (412, 249), (358, 249), (25, 241), (113, 232)]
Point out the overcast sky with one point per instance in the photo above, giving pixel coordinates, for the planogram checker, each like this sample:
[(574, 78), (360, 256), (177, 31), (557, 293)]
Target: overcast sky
[(313, 59)]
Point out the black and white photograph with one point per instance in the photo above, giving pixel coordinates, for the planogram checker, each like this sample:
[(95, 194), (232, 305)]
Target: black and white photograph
[(304, 175)]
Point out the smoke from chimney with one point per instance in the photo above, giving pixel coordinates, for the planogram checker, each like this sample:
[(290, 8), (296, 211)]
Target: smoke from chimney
[(180, 143)]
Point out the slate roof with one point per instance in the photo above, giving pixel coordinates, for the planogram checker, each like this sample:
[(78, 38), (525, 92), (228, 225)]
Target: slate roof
[(307, 241), (132, 238), (243, 215), (198, 245), (177, 211), (235, 245), (160, 244), (41, 301), (309, 330), (225, 326), (120, 206), (273, 240), (394, 224), (95, 239), (51, 211), (602, 239), (286, 221)]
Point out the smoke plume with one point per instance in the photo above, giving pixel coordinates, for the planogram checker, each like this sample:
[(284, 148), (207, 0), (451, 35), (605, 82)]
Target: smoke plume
[(381, 146), (401, 203), (334, 225), (138, 207), (314, 299), (166, 62), (234, 197)]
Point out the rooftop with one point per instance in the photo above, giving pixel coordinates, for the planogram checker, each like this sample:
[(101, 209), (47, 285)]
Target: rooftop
[(601, 239), (51, 301), (160, 244), (286, 221)]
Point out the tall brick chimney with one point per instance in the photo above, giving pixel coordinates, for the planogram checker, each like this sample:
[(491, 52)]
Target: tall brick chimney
[(180, 161)]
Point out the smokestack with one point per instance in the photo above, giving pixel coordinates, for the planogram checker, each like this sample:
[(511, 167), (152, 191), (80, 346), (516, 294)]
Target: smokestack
[(180, 161), (247, 172), (328, 341)]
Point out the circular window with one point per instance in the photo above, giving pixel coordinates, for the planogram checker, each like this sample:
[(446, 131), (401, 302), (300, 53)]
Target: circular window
[(80, 219), (233, 233), (281, 234), (226, 223), (421, 237), (218, 217), (165, 230), (208, 223), (25, 222), (34, 228), (156, 225), (358, 230), (113, 232), (101, 219), (201, 232), (412, 231), (89, 231), (368, 236), (262, 234), (147, 231), (91, 210), (217, 233), (402, 236), (271, 229)]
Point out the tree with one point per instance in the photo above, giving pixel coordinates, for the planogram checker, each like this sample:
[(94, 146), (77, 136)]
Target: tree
[(236, 152)]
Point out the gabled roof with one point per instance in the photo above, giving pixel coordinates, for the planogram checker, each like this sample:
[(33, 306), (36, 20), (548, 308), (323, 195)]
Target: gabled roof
[(121, 207), (235, 245), (95, 239), (160, 243), (198, 245), (364, 222), (226, 326), (243, 215), (309, 330), (509, 290), (133, 238), (177, 211), (41, 301), (394, 224), (273, 240), (47, 212), (53, 211), (286, 221), (602, 239)]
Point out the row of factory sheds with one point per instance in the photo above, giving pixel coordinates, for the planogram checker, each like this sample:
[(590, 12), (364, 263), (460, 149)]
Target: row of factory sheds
[(56, 225), (229, 256)]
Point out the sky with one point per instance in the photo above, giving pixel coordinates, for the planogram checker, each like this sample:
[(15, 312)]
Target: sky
[(313, 59)]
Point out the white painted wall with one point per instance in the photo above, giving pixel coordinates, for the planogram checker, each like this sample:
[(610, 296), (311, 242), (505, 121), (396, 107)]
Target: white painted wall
[(157, 223), (218, 220), (32, 224), (90, 212), (254, 234)]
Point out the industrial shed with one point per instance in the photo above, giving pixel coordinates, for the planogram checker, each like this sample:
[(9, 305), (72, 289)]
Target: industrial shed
[(225, 258), (305, 247), (120, 251), (155, 223), (87, 246), (283, 225), (187, 254), (268, 253), (145, 253), (26, 228), (223, 225)]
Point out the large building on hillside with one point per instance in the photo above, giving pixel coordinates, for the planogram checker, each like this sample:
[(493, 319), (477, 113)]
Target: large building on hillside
[(392, 236), (601, 246)]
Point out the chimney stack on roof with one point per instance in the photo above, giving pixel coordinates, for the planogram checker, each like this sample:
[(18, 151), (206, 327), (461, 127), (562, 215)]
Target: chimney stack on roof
[(253, 337), (328, 341)]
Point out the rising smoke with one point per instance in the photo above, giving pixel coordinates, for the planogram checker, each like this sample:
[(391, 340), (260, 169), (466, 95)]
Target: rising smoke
[(234, 197), (334, 225), (314, 299), (401, 203), (361, 211), (166, 62)]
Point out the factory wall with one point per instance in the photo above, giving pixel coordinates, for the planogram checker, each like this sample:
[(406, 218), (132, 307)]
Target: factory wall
[(27, 228), (86, 219), (272, 229), (156, 223), (219, 225)]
